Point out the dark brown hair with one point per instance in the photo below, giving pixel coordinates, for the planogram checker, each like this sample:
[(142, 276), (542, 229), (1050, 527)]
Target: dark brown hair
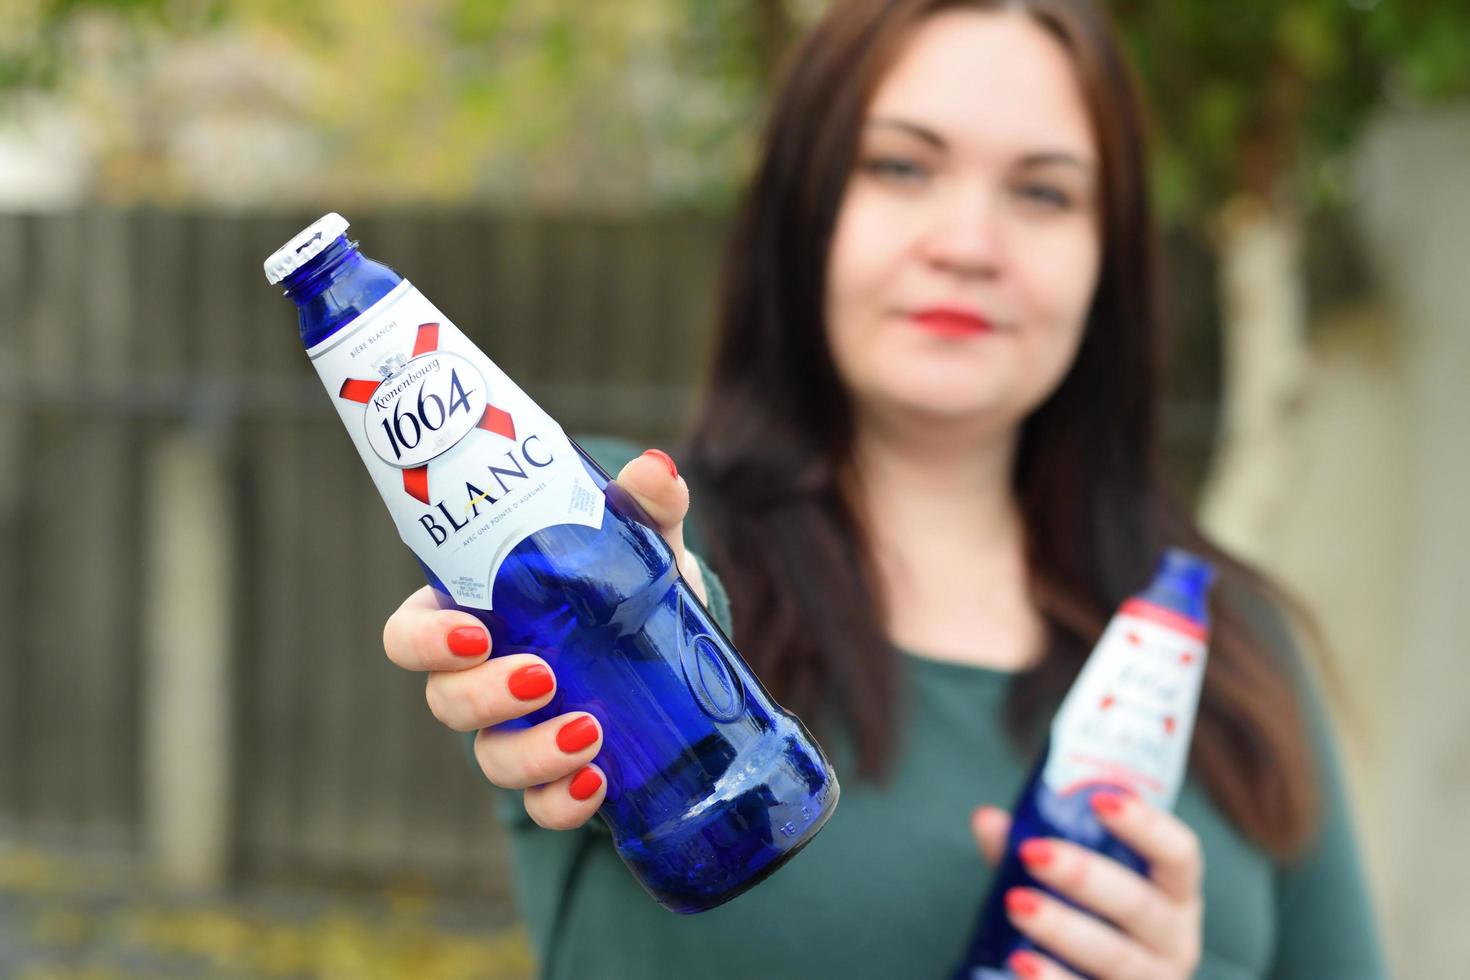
[(774, 436)]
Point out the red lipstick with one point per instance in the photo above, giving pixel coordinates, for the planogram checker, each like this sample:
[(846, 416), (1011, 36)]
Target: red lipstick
[(951, 321)]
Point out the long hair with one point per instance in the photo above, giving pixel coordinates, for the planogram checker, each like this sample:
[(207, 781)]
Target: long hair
[(774, 435)]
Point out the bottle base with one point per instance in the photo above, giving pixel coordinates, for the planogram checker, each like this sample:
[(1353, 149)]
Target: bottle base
[(740, 846)]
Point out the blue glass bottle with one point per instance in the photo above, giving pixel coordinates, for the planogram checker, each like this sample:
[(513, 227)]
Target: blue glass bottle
[(1123, 727), (712, 786)]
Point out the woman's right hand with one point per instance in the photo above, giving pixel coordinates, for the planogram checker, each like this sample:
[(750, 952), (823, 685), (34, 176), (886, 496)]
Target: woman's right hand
[(468, 690)]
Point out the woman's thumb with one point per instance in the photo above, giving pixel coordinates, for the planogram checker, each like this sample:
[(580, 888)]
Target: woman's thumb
[(991, 825)]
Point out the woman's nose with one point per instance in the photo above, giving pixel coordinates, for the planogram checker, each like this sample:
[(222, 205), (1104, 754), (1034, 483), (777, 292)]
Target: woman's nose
[(965, 238)]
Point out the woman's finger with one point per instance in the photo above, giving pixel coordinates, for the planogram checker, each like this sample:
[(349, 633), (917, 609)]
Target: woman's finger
[(1172, 849), (568, 802), (1103, 886), (991, 825), (502, 688), (653, 481), (1082, 940), (420, 636), (516, 758), (1031, 965)]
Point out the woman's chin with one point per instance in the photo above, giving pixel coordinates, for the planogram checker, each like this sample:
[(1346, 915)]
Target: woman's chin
[(957, 410)]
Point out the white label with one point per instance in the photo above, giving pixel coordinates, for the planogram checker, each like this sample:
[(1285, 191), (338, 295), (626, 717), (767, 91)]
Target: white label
[(468, 465), (1128, 718)]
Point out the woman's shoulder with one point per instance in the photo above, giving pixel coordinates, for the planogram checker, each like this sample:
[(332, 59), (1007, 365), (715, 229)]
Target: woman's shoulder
[(1266, 614)]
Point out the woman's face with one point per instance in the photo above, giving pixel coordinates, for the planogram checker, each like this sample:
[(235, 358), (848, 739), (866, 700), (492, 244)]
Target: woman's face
[(967, 244)]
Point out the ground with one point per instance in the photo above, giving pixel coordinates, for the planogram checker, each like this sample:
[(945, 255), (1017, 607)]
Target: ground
[(69, 918)]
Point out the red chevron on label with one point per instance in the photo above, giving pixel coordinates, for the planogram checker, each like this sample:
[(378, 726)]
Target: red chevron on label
[(357, 390), (498, 421), (427, 340), (416, 482)]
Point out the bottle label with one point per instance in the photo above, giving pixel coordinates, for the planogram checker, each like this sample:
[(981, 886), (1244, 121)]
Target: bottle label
[(468, 465), (1128, 718)]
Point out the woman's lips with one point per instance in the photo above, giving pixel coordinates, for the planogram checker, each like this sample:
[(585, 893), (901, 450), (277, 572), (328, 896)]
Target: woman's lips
[(951, 322)]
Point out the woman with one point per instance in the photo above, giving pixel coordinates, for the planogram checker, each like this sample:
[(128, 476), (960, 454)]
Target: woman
[(926, 473)]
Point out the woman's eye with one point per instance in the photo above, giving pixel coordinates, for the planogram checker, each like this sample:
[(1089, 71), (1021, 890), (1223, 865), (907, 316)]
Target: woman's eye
[(1046, 195), (897, 169)]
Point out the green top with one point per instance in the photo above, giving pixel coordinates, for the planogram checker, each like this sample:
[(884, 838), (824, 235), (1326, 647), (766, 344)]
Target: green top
[(892, 885)]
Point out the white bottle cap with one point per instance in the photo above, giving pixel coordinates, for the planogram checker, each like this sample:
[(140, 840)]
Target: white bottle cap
[(304, 247)]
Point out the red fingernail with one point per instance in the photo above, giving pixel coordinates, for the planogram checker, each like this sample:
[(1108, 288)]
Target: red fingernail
[(577, 734), (1024, 964), (468, 641), (1036, 853), (1108, 804), (584, 783), (667, 460), (530, 682), (1021, 902)]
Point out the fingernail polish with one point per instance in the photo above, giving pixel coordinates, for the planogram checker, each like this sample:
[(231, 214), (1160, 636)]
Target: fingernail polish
[(1025, 965), (1108, 804), (577, 734), (468, 641), (1036, 853), (1021, 902), (584, 783), (530, 682), (666, 459)]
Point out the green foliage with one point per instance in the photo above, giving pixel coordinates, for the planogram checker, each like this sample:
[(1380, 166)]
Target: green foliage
[(34, 35), (627, 102), (548, 101), (1251, 92), (1428, 42)]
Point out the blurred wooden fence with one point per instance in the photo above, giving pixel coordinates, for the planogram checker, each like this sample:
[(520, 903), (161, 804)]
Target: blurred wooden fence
[(125, 334)]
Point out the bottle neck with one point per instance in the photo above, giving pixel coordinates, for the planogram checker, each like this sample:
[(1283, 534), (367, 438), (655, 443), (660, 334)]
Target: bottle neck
[(334, 262), (1182, 584), (335, 288)]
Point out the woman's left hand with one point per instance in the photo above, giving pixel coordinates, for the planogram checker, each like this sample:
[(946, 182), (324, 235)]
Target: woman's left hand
[(1141, 927)]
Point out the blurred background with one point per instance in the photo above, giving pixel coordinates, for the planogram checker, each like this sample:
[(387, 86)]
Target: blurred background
[(206, 765)]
